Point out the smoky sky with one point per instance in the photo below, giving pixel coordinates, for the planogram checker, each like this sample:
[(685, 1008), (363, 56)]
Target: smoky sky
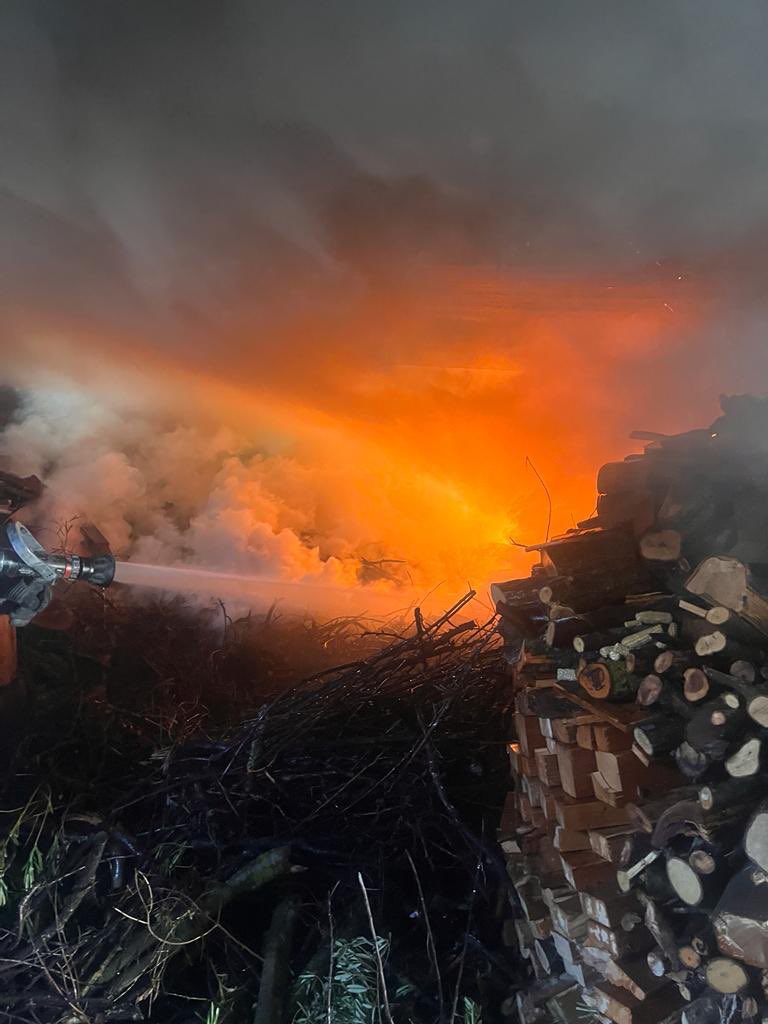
[(168, 167)]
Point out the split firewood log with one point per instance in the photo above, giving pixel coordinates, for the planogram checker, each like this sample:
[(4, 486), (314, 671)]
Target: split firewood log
[(634, 848), (694, 889), (707, 1009), (589, 642), (697, 685), (748, 759), (661, 546), (589, 552), (658, 963), (630, 476), (561, 632), (755, 696), (707, 855), (692, 763), (726, 976), (696, 941), (520, 621), (622, 507), (560, 611), (655, 691), (660, 735), (727, 582), (740, 919), (743, 670), (690, 983), (756, 837), (673, 662), (523, 591), (710, 642), (650, 876), (715, 725), (659, 924), (641, 662), (627, 877), (733, 793)]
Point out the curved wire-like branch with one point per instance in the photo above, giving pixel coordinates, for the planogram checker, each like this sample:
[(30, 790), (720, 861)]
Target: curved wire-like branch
[(530, 464)]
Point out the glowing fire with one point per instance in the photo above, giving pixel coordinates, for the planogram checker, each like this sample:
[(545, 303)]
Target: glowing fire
[(391, 440)]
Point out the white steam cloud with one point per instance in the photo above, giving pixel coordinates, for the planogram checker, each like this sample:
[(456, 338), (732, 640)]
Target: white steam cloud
[(176, 494)]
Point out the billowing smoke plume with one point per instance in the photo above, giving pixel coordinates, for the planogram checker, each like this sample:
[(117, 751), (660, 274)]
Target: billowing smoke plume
[(295, 288)]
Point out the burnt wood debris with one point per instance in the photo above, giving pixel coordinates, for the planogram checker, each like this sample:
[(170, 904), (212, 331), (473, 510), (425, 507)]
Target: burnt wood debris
[(636, 831), (194, 830)]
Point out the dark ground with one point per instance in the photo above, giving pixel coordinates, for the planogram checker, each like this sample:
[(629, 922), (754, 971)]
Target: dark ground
[(189, 747)]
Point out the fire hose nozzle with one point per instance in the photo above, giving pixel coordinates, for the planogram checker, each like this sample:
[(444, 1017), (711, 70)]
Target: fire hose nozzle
[(98, 570), (26, 557)]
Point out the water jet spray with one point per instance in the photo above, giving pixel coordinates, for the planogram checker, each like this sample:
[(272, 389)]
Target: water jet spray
[(321, 598)]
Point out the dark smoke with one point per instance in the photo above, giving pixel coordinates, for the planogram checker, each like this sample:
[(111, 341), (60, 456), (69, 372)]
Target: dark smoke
[(165, 163)]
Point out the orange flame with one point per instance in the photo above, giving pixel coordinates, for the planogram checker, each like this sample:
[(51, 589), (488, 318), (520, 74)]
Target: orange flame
[(393, 435)]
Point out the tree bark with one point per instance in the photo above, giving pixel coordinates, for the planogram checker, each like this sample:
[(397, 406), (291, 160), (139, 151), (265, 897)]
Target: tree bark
[(276, 967)]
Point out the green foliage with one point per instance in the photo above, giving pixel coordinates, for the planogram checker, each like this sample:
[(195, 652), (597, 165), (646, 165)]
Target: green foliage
[(169, 855), (472, 1012), (213, 1016), (22, 856), (33, 867), (353, 982)]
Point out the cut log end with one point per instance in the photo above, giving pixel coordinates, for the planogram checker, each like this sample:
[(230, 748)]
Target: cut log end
[(718, 615), (758, 711), (756, 840), (596, 680), (743, 670), (695, 684), (643, 742), (749, 1007), (710, 643), (663, 662), (702, 862), (745, 761), (685, 881), (706, 797), (661, 546), (726, 976), (659, 735), (649, 690), (689, 957), (656, 963)]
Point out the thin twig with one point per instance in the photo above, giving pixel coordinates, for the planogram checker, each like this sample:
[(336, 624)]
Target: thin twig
[(431, 948), (329, 1003), (379, 962), (529, 463), (463, 956)]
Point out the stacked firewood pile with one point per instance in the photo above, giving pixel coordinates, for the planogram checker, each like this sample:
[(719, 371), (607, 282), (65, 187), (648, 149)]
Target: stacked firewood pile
[(635, 834)]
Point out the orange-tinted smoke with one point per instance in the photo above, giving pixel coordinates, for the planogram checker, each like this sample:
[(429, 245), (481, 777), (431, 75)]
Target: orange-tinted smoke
[(410, 409)]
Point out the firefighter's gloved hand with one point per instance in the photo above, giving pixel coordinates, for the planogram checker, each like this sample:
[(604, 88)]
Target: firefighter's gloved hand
[(22, 602)]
